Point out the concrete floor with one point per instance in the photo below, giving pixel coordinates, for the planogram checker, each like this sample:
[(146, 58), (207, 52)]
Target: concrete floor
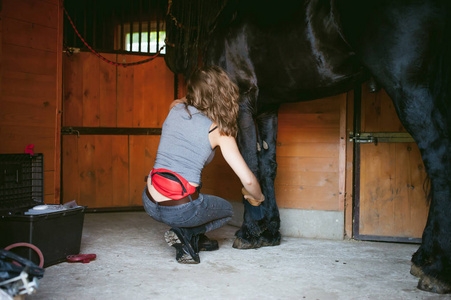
[(134, 262)]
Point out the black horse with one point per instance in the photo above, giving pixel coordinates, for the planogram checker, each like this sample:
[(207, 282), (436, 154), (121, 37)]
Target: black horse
[(286, 51)]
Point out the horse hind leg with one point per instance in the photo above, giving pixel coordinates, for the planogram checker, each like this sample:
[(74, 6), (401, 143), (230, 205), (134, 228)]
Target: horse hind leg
[(427, 123)]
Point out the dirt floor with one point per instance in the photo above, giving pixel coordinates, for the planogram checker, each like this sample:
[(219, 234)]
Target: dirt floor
[(134, 262)]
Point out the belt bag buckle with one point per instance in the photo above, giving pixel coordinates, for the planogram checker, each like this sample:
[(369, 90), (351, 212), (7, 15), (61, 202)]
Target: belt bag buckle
[(171, 184)]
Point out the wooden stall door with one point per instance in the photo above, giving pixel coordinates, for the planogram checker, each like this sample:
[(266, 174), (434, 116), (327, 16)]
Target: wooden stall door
[(112, 117), (392, 204)]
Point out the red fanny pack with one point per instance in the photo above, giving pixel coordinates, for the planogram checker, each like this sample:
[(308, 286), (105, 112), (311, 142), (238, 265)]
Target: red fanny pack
[(171, 184)]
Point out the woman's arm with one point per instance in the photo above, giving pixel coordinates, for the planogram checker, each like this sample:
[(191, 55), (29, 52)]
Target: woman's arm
[(233, 157)]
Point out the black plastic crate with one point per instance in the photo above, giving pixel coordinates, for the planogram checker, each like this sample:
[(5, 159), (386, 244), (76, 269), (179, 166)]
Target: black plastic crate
[(56, 234), (21, 181)]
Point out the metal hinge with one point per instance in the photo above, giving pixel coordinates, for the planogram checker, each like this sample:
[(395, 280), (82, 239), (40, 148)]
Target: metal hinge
[(380, 137)]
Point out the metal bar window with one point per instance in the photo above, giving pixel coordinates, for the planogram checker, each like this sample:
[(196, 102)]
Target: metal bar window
[(117, 26)]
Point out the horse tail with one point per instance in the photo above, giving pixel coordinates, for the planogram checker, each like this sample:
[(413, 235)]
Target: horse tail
[(440, 79)]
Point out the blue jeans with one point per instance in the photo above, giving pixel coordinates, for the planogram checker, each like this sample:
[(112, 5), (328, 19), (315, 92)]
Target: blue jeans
[(207, 210)]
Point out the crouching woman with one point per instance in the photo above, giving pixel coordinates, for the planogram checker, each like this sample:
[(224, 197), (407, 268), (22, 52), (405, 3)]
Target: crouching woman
[(195, 126)]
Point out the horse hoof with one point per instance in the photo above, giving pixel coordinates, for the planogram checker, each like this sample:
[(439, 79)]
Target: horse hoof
[(270, 240), (433, 285), (240, 243), (416, 271)]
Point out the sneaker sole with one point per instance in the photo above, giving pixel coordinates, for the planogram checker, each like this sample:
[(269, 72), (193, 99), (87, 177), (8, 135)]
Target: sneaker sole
[(186, 259), (172, 238), (173, 241)]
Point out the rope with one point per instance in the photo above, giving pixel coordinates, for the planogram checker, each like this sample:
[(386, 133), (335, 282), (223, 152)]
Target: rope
[(104, 58)]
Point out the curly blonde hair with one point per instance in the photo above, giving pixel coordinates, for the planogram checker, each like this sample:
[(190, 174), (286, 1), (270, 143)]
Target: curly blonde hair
[(210, 90)]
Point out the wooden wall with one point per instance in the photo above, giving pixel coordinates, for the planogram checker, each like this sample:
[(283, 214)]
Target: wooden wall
[(311, 154), (30, 83)]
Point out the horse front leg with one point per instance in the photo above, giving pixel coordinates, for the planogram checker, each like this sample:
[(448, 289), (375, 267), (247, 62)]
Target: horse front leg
[(267, 132), (258, 145), (248, 236)]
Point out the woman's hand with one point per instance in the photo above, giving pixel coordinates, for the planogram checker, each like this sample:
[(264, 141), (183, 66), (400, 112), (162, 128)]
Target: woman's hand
[(250, 199), (175, 102)]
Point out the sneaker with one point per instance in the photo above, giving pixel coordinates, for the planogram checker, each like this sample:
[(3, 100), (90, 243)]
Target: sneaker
[(179, 239)]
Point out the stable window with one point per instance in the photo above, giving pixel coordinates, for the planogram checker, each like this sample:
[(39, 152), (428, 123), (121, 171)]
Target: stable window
[(141, 39), (121, 27)]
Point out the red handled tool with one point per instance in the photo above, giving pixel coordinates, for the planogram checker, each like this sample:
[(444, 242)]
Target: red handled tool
[(84, 258)]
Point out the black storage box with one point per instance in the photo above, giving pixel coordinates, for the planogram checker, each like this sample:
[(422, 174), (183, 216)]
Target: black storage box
[(57, 233)]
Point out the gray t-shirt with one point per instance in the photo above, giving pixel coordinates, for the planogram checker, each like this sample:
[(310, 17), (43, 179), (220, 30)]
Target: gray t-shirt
[(184, 145)]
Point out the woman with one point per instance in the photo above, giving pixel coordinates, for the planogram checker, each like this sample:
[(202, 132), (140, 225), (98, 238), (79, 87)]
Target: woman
[(205, 119)]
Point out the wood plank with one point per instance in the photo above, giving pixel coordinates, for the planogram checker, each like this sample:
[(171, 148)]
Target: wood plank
[(32, 106), (121, 177), (52, 1), (125, 94), (311, 198), (73, 91), (349, 196), (107, 92), (87, 171), (49, 185), (300, 178), (39, 88), (342, 154), (307, 164), (153, 93), (35, 11), (287, 148), (143, 151), (34, 116), (411, 206), (393, 201), (377, 189), (103, 171), (91, 77), (59, 109), (308, 135), (303, 120), (28, 60), (1, 54), (26, 34), (318, 106), (379, 114), (70, 172)]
